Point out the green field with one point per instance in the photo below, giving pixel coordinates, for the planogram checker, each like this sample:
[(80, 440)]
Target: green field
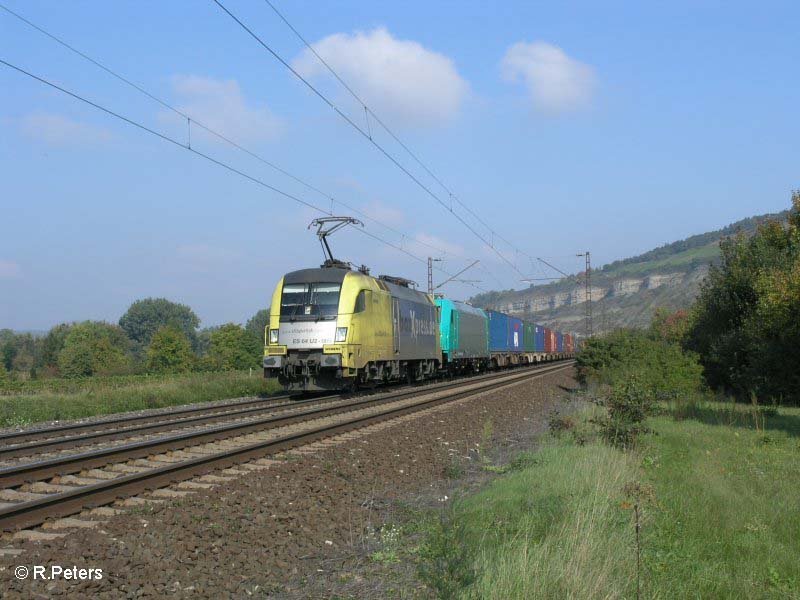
[(718, 499), (59, 399)]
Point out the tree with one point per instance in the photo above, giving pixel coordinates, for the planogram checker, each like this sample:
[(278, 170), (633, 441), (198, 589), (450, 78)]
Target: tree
[(145, 317), (52, 345), (232, 347), (169, 351), (746, 322), (257, 323), (4, 376), (204, 340), (94, 348), (670, 326), (7, 348), (24, 353)]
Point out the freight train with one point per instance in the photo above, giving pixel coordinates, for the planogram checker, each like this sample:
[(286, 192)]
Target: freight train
[(335, 328)]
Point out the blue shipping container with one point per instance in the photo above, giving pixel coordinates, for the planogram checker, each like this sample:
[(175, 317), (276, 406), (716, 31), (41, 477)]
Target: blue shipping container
[(516, 331), (498, 331), (560, 341), (538, 343)]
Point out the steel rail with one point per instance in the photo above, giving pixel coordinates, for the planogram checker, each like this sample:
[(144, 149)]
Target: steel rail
[(30, 434), (73, 463), (101, 434), (35, 512)]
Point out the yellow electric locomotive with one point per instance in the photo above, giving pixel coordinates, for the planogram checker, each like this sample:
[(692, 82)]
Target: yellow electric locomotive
[(334, 328)]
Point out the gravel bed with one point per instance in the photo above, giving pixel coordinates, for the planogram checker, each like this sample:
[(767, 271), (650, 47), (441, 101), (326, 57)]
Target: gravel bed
[(300, 528)]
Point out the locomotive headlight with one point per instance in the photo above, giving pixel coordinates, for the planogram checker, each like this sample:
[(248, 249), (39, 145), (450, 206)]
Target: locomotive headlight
[(341, 334), (273, 336)]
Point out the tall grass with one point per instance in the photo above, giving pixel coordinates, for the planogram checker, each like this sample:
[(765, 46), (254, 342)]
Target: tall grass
[(558, 529), (52, 400), (721, 517)]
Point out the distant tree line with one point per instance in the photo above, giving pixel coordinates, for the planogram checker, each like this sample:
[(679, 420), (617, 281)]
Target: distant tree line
[(155, 335)]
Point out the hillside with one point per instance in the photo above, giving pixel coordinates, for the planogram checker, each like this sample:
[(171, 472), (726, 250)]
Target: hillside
[(624, 292)]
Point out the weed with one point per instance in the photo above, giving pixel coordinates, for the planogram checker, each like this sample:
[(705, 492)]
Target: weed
[(627, 406), (444, 560), (455, 470), (384, 556), (558, 424)]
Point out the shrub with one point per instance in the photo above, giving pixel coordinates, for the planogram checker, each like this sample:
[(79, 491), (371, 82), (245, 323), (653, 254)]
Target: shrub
[(662, 368), (94, 348), (169, 352), (52, 345), (627, 405), (232, 347)]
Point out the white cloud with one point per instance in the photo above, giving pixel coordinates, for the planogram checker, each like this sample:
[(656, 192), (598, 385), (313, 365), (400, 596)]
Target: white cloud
[(9, 269), (400, 79), (58, 130), (556, 82), (221, 106)]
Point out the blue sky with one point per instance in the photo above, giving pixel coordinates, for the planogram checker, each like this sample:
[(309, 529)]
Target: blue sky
[(613, 127)]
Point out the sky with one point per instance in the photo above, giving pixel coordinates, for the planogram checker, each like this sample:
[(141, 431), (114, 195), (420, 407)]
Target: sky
[(557, 128)]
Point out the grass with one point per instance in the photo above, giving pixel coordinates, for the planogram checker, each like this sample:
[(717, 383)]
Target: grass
[(722, 517), (708, 253), (56, 399), (542, 532), (728, 518)]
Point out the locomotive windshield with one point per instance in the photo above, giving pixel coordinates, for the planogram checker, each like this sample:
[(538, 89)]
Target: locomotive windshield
[(304, 300)]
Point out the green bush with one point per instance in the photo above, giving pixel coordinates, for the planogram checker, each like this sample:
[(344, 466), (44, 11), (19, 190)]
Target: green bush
[(52, 344), (662, 369), (231, 347), (169, 352), (627, 406), (94, 348)]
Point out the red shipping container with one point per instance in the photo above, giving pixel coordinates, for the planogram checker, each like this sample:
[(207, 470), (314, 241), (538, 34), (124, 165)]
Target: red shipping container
[(569, 344), (550, 343)]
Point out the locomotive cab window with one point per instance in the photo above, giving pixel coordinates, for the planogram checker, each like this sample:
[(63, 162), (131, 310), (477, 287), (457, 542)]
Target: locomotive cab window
[(304, 300), (361, 302)]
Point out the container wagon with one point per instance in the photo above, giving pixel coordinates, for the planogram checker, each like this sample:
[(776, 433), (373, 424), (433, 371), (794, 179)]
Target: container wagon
[(464, 332)]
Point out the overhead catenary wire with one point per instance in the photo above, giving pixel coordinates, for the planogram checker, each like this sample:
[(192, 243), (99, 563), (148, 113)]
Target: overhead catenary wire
[(366, 135), (368, 111), (192, 120), (196, 152)]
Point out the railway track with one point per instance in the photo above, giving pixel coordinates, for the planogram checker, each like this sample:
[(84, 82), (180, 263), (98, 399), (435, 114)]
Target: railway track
[(31, 442), (27, 443), (109, 474)]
